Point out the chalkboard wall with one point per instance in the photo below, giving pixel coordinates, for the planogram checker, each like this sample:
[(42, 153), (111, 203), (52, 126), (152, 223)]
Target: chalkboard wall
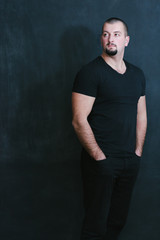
[(43, 43)]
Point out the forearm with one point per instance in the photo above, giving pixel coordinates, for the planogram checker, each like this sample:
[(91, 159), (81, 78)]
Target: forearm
[(87, 139), (140, 134)]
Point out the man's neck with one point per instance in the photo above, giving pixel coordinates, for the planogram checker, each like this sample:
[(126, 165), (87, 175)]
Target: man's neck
[(116, 62)]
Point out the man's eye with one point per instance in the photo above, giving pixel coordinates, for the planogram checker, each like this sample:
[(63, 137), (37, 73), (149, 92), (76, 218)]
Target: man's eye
[(117, 34), (105, 34)]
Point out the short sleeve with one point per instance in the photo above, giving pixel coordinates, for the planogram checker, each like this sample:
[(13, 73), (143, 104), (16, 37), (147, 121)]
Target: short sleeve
[(86, 82), (143, 91)]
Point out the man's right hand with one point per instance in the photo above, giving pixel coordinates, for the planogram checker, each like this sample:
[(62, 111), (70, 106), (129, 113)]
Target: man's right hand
[(99, 156)]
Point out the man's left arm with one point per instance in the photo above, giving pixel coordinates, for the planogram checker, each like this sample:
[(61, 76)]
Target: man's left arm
[(141, 127)]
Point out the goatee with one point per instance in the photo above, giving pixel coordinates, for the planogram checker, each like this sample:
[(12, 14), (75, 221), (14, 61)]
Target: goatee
[(111, 53)]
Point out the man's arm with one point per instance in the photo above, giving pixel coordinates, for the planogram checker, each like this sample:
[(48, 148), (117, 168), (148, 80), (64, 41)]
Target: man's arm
[(141, 125), (81, 107)]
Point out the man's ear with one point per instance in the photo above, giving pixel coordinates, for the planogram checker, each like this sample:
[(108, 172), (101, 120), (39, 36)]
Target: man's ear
[(127, 41)]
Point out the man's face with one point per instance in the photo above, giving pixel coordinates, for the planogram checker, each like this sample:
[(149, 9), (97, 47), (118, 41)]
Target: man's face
[(113, 38)]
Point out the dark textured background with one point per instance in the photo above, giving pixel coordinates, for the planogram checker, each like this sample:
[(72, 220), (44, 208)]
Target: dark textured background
[(43, 43)]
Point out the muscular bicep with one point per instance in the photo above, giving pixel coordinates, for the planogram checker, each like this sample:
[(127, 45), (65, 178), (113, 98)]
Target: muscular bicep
[(81, 105)]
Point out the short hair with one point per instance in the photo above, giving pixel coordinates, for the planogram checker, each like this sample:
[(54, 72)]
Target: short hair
[(115, 19)]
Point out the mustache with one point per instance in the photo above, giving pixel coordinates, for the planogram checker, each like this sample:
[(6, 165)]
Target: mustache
[(111, 44)]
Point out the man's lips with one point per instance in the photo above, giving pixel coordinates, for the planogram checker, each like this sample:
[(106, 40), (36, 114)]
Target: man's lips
[(111, 45)]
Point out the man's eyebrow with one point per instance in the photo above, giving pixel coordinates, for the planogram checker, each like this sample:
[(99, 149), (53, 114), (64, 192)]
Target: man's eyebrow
[(114, 31)]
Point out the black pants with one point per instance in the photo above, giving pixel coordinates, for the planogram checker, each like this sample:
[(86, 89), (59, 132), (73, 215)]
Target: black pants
[(107, 186)]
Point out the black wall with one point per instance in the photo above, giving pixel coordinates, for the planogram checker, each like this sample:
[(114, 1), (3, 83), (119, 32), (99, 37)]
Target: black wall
[(43, 43)]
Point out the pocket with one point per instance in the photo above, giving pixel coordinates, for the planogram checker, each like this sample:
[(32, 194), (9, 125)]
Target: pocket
[(103, 160), (101, 167), (139, 157)]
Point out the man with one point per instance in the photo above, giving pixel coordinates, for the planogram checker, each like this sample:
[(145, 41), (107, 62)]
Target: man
[(110, 120)]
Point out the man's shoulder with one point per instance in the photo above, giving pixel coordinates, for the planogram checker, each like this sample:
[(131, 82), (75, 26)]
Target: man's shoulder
[(133, 67), (92, 66)]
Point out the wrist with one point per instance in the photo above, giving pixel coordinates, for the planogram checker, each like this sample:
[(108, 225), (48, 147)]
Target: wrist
[(99, 155), (138, 152)]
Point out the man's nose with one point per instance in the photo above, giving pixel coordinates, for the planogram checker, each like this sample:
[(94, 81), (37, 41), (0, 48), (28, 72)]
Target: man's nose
[(111, 38)]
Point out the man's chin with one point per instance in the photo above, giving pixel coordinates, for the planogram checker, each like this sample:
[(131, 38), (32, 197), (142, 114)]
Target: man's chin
[(111, 53)]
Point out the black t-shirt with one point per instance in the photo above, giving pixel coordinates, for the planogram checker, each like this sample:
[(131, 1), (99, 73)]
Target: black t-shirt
[(114, 112)]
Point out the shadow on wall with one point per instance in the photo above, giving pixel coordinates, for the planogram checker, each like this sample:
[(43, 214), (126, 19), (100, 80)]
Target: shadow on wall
[(41, 130), (78, 46)]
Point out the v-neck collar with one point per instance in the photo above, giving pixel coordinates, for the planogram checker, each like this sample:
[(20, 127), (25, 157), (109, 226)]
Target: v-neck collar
[(121, 74)]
